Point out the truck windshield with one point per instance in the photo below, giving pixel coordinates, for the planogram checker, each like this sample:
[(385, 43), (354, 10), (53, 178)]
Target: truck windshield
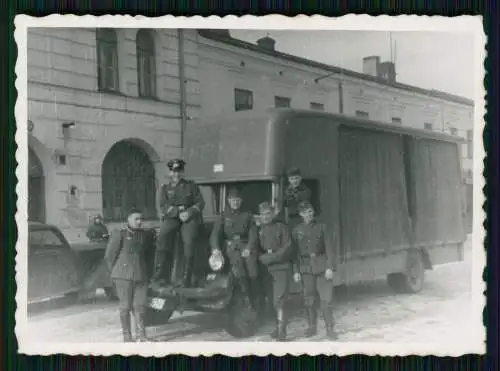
[(252, 193)]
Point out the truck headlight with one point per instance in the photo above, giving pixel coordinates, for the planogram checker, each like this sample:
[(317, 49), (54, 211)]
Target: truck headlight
[(216, 262)]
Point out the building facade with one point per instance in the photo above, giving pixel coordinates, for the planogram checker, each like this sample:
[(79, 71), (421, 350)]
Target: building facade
[(106, 108), (105, 114), (248, 76)]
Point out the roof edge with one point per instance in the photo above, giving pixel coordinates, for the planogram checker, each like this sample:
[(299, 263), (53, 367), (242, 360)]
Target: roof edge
[(208, 34)]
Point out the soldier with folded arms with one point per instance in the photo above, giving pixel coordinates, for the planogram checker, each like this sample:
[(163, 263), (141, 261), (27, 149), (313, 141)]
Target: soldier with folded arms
[(182, 205), (276, 254)]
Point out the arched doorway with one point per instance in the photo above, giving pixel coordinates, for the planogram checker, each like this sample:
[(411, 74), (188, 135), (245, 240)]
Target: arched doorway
[(128, 180), (36, 188)]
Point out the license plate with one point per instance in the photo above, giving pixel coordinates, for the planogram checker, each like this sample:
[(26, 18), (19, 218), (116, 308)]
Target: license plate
[(157, 303), (211, 277)]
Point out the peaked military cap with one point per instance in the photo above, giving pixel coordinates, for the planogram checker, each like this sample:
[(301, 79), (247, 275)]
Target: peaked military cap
[(134, 210), (293, 171), (265, 206), (233, 193), (304, 206), (176, 164)]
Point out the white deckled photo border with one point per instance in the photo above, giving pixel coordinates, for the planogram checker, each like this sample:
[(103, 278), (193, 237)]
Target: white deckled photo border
[(461, 24)]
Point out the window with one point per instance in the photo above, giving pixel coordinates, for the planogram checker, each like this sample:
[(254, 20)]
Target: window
[(281, 102), (362, 114), (396, 120), (453, 131), (146, 65), (107, 60), (243, 100), (470, 144), (317, 106), (39, 239), (427, 126)]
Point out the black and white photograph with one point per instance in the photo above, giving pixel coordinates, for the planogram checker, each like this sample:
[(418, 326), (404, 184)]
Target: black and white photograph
[(250, 185)]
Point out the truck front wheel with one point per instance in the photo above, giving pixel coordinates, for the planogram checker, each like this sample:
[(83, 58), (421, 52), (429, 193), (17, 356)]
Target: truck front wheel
[(410, 281)]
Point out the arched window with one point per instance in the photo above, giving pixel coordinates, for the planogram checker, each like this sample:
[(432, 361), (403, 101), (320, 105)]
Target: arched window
[(146, 65), (107, 60), (128, 180), (36, 188)]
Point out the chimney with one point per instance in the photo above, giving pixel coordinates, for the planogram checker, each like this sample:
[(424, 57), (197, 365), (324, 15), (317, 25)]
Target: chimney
[(387, 71), (267, 43), (370, 65)]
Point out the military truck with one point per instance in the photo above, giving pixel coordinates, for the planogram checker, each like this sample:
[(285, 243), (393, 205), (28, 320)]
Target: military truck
[(390, 195)]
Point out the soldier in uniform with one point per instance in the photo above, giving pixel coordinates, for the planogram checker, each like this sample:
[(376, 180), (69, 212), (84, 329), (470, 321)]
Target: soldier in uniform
[(126, 256), (295, 193), (182, 205), (314, 266), (276, 255), (235, 233), (97, 231)]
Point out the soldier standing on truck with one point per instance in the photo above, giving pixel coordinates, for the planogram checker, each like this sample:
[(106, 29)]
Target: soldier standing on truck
[(276, 256), (295, 193), (236, 231), (126, 258), (182, 205), (314, 265)]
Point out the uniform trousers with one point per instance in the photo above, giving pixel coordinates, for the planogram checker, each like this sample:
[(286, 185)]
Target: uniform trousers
[(314, 285), (277, 285), (132, 295), (168, 233)]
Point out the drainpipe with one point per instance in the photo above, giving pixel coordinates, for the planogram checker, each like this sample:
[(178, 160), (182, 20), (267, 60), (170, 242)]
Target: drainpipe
[(341, 98), (182, 81)]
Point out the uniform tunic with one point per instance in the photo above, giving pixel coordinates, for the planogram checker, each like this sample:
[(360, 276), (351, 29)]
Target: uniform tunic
[(293, 197), (314, 255), (126, 255), (276, 254), (174, 199), (235, 230)]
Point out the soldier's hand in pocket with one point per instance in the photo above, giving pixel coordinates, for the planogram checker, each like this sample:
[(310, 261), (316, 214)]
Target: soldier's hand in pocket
[(329, 274), (297, 277)]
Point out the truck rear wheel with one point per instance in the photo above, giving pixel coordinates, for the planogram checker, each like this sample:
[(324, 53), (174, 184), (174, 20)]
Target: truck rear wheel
[(241, 320), (410, 281)]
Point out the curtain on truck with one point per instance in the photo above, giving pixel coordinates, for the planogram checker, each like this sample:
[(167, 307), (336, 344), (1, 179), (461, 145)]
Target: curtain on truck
[(373, 204), (436, 207)]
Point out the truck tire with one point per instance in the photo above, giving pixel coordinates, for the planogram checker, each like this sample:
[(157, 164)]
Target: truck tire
[(157, 318), (410, 281), (241, 320)]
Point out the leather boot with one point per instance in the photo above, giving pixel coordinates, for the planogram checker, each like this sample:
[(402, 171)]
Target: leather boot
[(312, 322), (140, 327), (159, 262), (281, 325), (188, 272), (330, 324), (125, 323)]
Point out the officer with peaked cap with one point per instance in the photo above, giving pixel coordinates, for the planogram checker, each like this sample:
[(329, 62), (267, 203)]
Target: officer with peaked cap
[(126, 256), (295, 192), (235, 234), (276, 255), (314, 265), (182, 205)]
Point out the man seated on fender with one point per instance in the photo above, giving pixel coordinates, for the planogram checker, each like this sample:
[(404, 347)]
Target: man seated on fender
[(235, 233), (182, 205)]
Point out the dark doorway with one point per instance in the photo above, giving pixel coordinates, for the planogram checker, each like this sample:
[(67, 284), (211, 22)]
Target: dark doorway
[(36, 188), (128, 180)]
